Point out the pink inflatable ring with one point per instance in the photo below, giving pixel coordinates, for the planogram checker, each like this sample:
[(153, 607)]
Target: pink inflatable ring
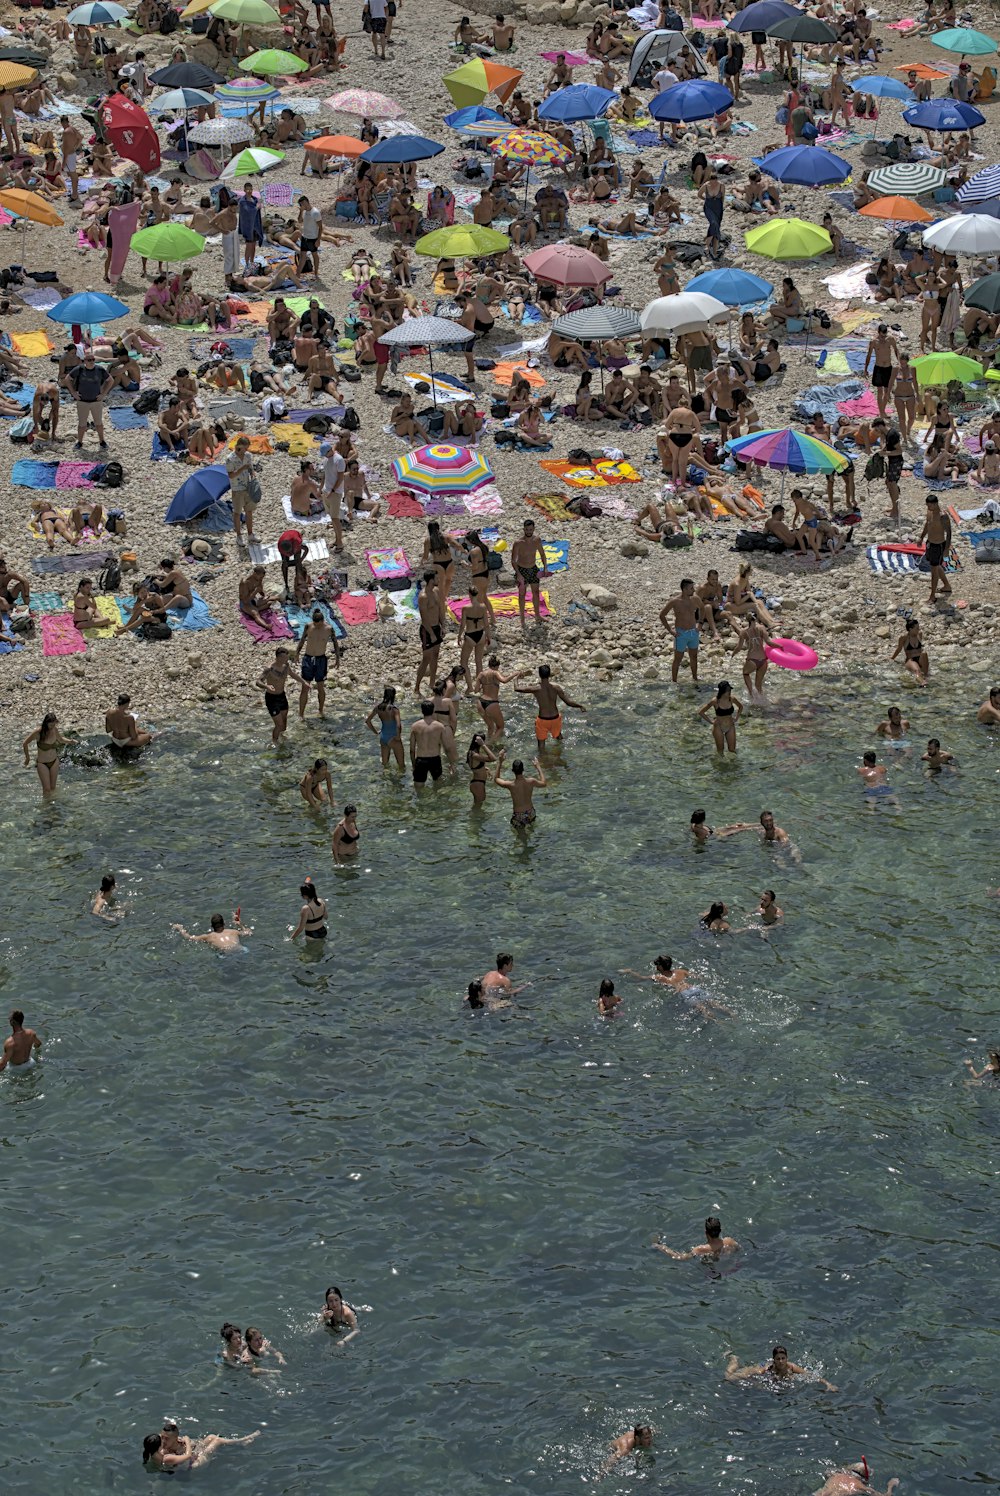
[(791, 655)]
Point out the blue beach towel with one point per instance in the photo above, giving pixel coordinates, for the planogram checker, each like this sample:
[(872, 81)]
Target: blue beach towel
[(127, 419), (22, 397), (298, 618), (47, 602), (160, 453), (28, 472), (193, 618)]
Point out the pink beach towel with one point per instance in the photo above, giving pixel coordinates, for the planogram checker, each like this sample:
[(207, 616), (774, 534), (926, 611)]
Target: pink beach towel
[(60, 637), (122, 224), (73, 474), (357, 607), (904, 25), (864, 405), (387, 564), (278, 626)]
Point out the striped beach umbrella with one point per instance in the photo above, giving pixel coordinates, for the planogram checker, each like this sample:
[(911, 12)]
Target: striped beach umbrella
[(475, 114), (981, 186), (791, 451), (443, 468), (180, 99), (907, 178), (248, 91), (596, 324), (427, 332)]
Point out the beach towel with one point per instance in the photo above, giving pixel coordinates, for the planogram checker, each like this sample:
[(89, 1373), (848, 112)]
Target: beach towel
[(445, 386), (42, 298), (191, 619), (107, 608), (884, 559), (49, 564), (865, 405), (505, 604), (257, 312), (300, 443), (849, 284), (556, 555), (122, 223), (29, 472), (387, 564), (8, 643), (31, 344), (127, 419), (74, 474), (404, 505), (974, 537), (303, 519), (267, 555), (300, 618), (22, 397), (277, 626), (504, 373), (59, 637), (357, 607), (296, 417), (47, 602), (486, 501), (161, 453), (600, 474), (552, 505), (404, 605), (991, 508)]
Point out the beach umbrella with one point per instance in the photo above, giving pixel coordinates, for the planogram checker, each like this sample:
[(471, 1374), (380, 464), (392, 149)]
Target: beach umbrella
[(788, 239), (402, 148), (443, 468), (598, 324), (761, 15), (364, 102), (167, 242), (905, 177), (271, 61), (985, 294), (427, 332), (801, 28), (897, 210), (221, 132), (102, 13), (196, 494), (186, 75), (944, 114), (685, 311), (196, 8), (475, 114), (246, 12), (699, 98), (921, 70), (880, 87), (129, 131), (987, 210), (731, 287), (85, 308), (805, 166), (462, 241), (571, 59), (338, 145), (939, 368), (180, 98), (567, 265), (29, 205), (534, 147), (659, 46), (790, 451), (579, 101), (490, 129), (965, 41), (251, 163), (981, 186), (15, 75), (966, 233), (248, 91), (470, 83)]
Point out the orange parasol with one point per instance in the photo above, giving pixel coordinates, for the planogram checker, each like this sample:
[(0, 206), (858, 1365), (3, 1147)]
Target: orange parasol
[(337, 145), (899, 209), (922, 70), (29, 205)]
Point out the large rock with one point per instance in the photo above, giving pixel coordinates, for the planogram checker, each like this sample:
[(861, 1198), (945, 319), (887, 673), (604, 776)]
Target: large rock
[(599, 596), (544, 15), (567, 12)]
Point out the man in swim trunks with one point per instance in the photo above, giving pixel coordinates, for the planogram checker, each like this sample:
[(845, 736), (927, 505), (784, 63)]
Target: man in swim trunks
[(689, 613), (853, 1480), (427, 737), (639, 1437), (779, 1367), (431, 610), (253, 599), (527, 556), (882, 347), (316, 638), (522, 787), (548, 722), (714, 1246), (937, 534), (220, 938), (123, 729), (272, 682), (17, 1049)]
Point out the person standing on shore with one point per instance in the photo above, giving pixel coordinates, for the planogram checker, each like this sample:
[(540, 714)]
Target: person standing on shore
[(937, 533), (88, 384), (427, 737), (17, 1050), (548, 721), (431, 610), (527, 557), (272, 682), (881, 348), (316, 638), (688, 611), (226, 223)]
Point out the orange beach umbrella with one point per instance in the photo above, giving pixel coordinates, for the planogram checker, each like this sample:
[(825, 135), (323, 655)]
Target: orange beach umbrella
[(898, 209)]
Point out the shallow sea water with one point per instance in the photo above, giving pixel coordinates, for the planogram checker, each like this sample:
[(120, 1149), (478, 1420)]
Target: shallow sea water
[(211, 1139)]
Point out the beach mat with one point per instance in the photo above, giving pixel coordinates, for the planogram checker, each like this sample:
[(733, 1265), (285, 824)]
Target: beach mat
[(556, 555), (300, 618), (60, 637), (192, 619), (357, 607), (47, 602), (600, 474), (277, 629), (50, 564), (124, 418), (552, 505), (267, 555), (505, 604), (388, 564)]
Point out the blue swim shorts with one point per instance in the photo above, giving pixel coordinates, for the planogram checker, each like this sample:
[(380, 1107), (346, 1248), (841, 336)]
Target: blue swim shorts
[(686, 639)]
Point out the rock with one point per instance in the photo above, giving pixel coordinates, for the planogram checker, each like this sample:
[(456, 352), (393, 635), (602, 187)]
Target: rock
[(600, 657), (883, 633), (650, 673), (195, 658), (78, 671), (599, 596), (567, 12), (544, 15), (174, 672), (633, 548)]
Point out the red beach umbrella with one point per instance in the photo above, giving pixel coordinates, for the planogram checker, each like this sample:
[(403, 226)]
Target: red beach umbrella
[(130, 132)]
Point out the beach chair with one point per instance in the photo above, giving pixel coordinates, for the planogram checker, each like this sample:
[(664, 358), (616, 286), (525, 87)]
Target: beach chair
[(380, 209)]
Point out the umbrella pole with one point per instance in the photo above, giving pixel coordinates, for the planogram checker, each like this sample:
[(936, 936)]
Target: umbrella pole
[(430, 360)]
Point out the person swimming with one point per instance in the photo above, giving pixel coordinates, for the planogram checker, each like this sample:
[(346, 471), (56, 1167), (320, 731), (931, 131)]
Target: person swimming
[(337, 1316)]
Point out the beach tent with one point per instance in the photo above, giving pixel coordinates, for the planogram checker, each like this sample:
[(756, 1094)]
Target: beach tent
[(656, 47), (198, 495)]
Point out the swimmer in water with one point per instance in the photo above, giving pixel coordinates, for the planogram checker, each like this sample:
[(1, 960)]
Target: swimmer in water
[(607, 999), (482, 997), (171, 1450), (779, 1368), (104, 900), (769, 832), (219, 937), (714, 919), (639, 1437), (665, 974), (991, 1069), (936, 757), (337, 1315), (874, 776), (258, 1345), (17, 1050), (853, 1480), (712, 1248), (234, 1352), (989, 712), (895, 727), (770, 914), (498, 980)]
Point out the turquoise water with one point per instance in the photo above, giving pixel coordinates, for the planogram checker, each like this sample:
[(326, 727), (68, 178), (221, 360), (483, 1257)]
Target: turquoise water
[(211, 1139)]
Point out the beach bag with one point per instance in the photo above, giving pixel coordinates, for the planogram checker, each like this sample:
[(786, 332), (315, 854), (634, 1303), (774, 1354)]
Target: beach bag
[(809, 131), (109, 578), (366, 19), (677, 542), (317, 425), (155, 631), (256, 381), (781, 115), (146, 401), (22, 431), (986, 552), (875, 467), (114, 523), (349, 420), (113, 475), (353, 376)]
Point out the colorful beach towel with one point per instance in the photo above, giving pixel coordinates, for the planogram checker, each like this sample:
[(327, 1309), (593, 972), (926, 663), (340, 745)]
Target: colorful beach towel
[(552, 505), (387, 564), (556, 555), (300, 618), (404, 505), (600, 474), (31, 344), (504, 373), (866, 405), (74, 474), (59, 637), (47, 602), (357, 607), (277, 626), (445, 386), (505, 604)]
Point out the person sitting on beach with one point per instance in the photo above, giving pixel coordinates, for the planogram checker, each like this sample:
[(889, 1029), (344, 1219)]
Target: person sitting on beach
[(122, 727), (174, 586), (85, 614), (147, 607), (714, 1246)]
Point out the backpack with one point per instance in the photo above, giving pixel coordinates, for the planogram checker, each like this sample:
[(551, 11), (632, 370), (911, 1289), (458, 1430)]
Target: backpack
[(256, 381), (318, 425), (109, 578), (353, 376), (155, 631), (22, 430), (875, 467), (169, 23), (349, 420), (677, 542), (113, 475), (146, 401)]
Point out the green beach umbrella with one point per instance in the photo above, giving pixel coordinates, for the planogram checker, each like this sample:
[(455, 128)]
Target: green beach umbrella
[(462, 241), (965, 41), (272, 60), (789, 239), (938, 368), (167, 242), (251, 163), (246, 12)]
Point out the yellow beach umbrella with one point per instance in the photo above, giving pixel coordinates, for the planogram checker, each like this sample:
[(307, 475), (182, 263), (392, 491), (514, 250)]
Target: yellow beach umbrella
[(195, 8), (29, 205), (15, 75)]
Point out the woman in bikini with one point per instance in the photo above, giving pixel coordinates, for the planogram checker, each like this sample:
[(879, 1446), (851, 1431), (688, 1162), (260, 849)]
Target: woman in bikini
[(312, 915), (316, 786), (49, 740), (727, 709), (755, 665), (680, 430), (440, 552), (346, 836), (477, 759), (474, 636), (488, 686), (903, 389), (170, 1451), (911, 646), (390, 729), (337, 1316), (740, 600), (51, 522)]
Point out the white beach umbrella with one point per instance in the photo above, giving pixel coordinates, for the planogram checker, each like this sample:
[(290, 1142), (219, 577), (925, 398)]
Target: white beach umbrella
[(221, 132), (965, 233), (687, 311), (427, 332)]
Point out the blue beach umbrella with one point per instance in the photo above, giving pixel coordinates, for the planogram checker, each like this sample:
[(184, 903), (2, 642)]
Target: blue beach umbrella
[(696, 99), (805, 166), (944, 114), (86, 308), (396, 148), (474, 114), (578, 101), (196, 494), (761, 15), (981, 186), (731, 287), (882, 88), (99, 14)]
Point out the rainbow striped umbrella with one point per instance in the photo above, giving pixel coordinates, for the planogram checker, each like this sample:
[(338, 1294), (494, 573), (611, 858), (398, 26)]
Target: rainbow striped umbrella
[(791, 450), (532, 146), (443, 468), (248, 91)]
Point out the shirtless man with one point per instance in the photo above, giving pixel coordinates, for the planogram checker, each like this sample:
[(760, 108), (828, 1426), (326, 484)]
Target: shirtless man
[(689, 612), (548, 720), (714, 1246), (224, 223), (122, 727), (527, 556), (522, 788), (316, 639), (253, 599), (498, 980), (17, 1049), (220, 938), (427, 737), (272, 682), (853, 1480), (431, 610), (794, 540), (881, 348), (639, 1437), (778, 1367), (937, 534), (989, 712)]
